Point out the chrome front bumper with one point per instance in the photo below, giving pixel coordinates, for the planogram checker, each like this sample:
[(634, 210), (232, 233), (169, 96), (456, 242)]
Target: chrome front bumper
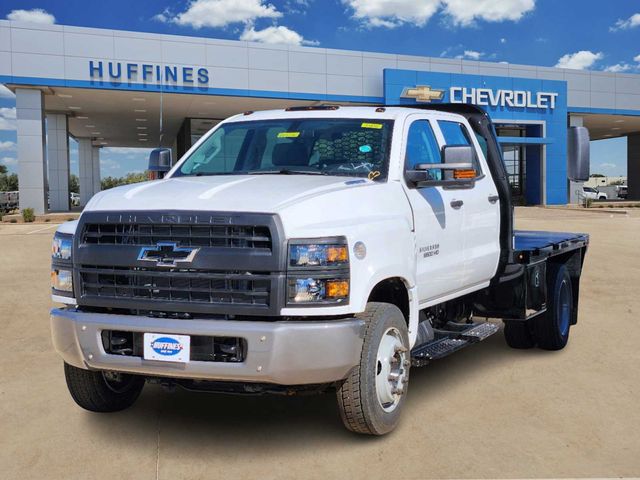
[(284, 353)]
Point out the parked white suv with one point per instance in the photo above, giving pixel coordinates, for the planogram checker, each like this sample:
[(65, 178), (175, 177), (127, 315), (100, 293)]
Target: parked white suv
[(593, 194)]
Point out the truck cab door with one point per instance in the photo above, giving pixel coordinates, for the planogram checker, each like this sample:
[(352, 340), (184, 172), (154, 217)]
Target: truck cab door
[(437, 217), (481, 210)]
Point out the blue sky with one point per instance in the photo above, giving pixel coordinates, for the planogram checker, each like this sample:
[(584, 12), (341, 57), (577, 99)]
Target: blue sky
[(582, 34)]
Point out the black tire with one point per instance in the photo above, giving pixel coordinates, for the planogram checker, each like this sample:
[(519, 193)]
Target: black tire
[(360, 408), (102, 391), (518, 335), (551, 329)]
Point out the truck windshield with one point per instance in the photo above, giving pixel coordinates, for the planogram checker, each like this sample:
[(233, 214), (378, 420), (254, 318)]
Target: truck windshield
[(311, 146)]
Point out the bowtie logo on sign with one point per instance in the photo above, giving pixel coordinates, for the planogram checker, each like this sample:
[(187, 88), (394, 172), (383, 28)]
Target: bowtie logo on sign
[(422, 93)]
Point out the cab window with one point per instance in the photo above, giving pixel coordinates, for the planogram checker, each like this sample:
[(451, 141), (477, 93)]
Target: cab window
[(422, 147), (455, 133)]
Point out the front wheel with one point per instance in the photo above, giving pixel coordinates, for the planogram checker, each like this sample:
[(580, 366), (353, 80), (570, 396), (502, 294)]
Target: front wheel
[(102, 391), (371, 398)]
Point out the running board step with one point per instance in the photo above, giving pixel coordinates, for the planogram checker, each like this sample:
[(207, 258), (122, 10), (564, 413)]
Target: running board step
[(451, 340), (438, 349), (479, 332)]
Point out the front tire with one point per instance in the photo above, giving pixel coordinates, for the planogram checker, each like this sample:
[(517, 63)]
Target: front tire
[(370, 399), (551, 329), (99, 391)]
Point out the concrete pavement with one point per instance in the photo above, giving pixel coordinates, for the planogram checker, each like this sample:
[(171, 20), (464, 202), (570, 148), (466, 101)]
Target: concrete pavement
[(485, 412)]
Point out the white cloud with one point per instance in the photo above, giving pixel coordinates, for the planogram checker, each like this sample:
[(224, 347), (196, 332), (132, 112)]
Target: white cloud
[(8, 118), (579, 60), (636, 58), (608, 165), (219, 13), (281, 35), (465, 12), (471, 55), (6, 93), (9, 161), (618, 67), (36, 15), (631, 22), (503, 40), (8, 145), (393, 13)]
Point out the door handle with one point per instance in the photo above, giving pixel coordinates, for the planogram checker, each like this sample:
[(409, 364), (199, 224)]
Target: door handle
[(493, 198), (456, 204)]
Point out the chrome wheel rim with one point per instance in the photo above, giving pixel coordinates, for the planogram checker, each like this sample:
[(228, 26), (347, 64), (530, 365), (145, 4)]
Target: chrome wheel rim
[(392, 369)]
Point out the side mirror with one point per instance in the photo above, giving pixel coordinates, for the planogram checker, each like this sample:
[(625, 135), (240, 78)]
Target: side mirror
[(455, 171), (160, 161), (578, 154)]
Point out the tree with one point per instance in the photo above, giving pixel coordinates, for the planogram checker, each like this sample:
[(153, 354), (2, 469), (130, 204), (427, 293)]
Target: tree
[(8, 183), (3, 169), (110, 182), (74, 184), (596, 175)]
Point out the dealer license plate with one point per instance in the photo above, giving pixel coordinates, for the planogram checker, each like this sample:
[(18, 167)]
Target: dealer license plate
[(166, 347)]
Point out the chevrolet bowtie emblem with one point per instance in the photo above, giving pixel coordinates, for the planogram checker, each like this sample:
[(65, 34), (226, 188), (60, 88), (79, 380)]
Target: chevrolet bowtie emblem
[(422, 93), (167, 254)]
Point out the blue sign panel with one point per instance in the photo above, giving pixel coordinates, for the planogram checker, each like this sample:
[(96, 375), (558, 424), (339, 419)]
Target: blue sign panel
[(541, 104)]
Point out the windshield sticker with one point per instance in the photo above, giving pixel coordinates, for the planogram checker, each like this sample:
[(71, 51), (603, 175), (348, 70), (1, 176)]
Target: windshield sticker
[(365, 148), (288, 134), (377, 126), (373, 175)]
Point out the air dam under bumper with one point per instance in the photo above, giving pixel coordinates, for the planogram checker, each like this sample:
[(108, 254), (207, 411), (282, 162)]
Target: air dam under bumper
[(284, 353)]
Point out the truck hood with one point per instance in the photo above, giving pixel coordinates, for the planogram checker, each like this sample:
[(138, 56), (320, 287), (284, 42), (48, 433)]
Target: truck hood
[(235, 193)]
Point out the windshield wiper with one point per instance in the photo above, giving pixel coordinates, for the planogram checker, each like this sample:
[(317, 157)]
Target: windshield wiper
[(286, 171)]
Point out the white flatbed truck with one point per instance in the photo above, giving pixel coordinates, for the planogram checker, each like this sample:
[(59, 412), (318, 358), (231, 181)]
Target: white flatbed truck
[(310, 249)]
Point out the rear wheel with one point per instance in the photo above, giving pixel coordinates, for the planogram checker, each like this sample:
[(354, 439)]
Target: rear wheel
[(102, 391), (371, 398), (551, 329)]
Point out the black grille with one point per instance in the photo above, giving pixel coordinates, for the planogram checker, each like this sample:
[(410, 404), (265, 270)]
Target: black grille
[(193, 286), (221, 236)]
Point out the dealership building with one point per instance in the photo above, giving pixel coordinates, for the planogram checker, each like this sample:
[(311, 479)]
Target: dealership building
[(109, 87)]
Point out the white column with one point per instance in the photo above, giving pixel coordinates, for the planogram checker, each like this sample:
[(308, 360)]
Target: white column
[(58, 161), (95, 156), (32, 175), (85, 164), (575, 188)]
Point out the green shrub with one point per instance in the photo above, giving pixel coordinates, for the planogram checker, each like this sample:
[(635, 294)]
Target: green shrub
[(27, 215)]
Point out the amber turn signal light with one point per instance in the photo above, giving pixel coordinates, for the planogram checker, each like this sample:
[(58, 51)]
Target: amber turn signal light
[(337, 289)]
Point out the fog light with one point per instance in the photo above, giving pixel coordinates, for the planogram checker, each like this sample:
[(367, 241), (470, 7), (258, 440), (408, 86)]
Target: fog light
[(62, 280)]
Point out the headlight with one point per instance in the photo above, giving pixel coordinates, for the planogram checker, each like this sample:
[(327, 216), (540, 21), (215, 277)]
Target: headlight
[(61, 246), (61, 267), (313, 255), (61, 280), (318, 271), (305, 290)]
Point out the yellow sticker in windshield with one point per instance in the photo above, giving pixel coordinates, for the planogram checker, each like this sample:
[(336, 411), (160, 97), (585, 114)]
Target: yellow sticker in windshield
[(288, 134), (377, 126)]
